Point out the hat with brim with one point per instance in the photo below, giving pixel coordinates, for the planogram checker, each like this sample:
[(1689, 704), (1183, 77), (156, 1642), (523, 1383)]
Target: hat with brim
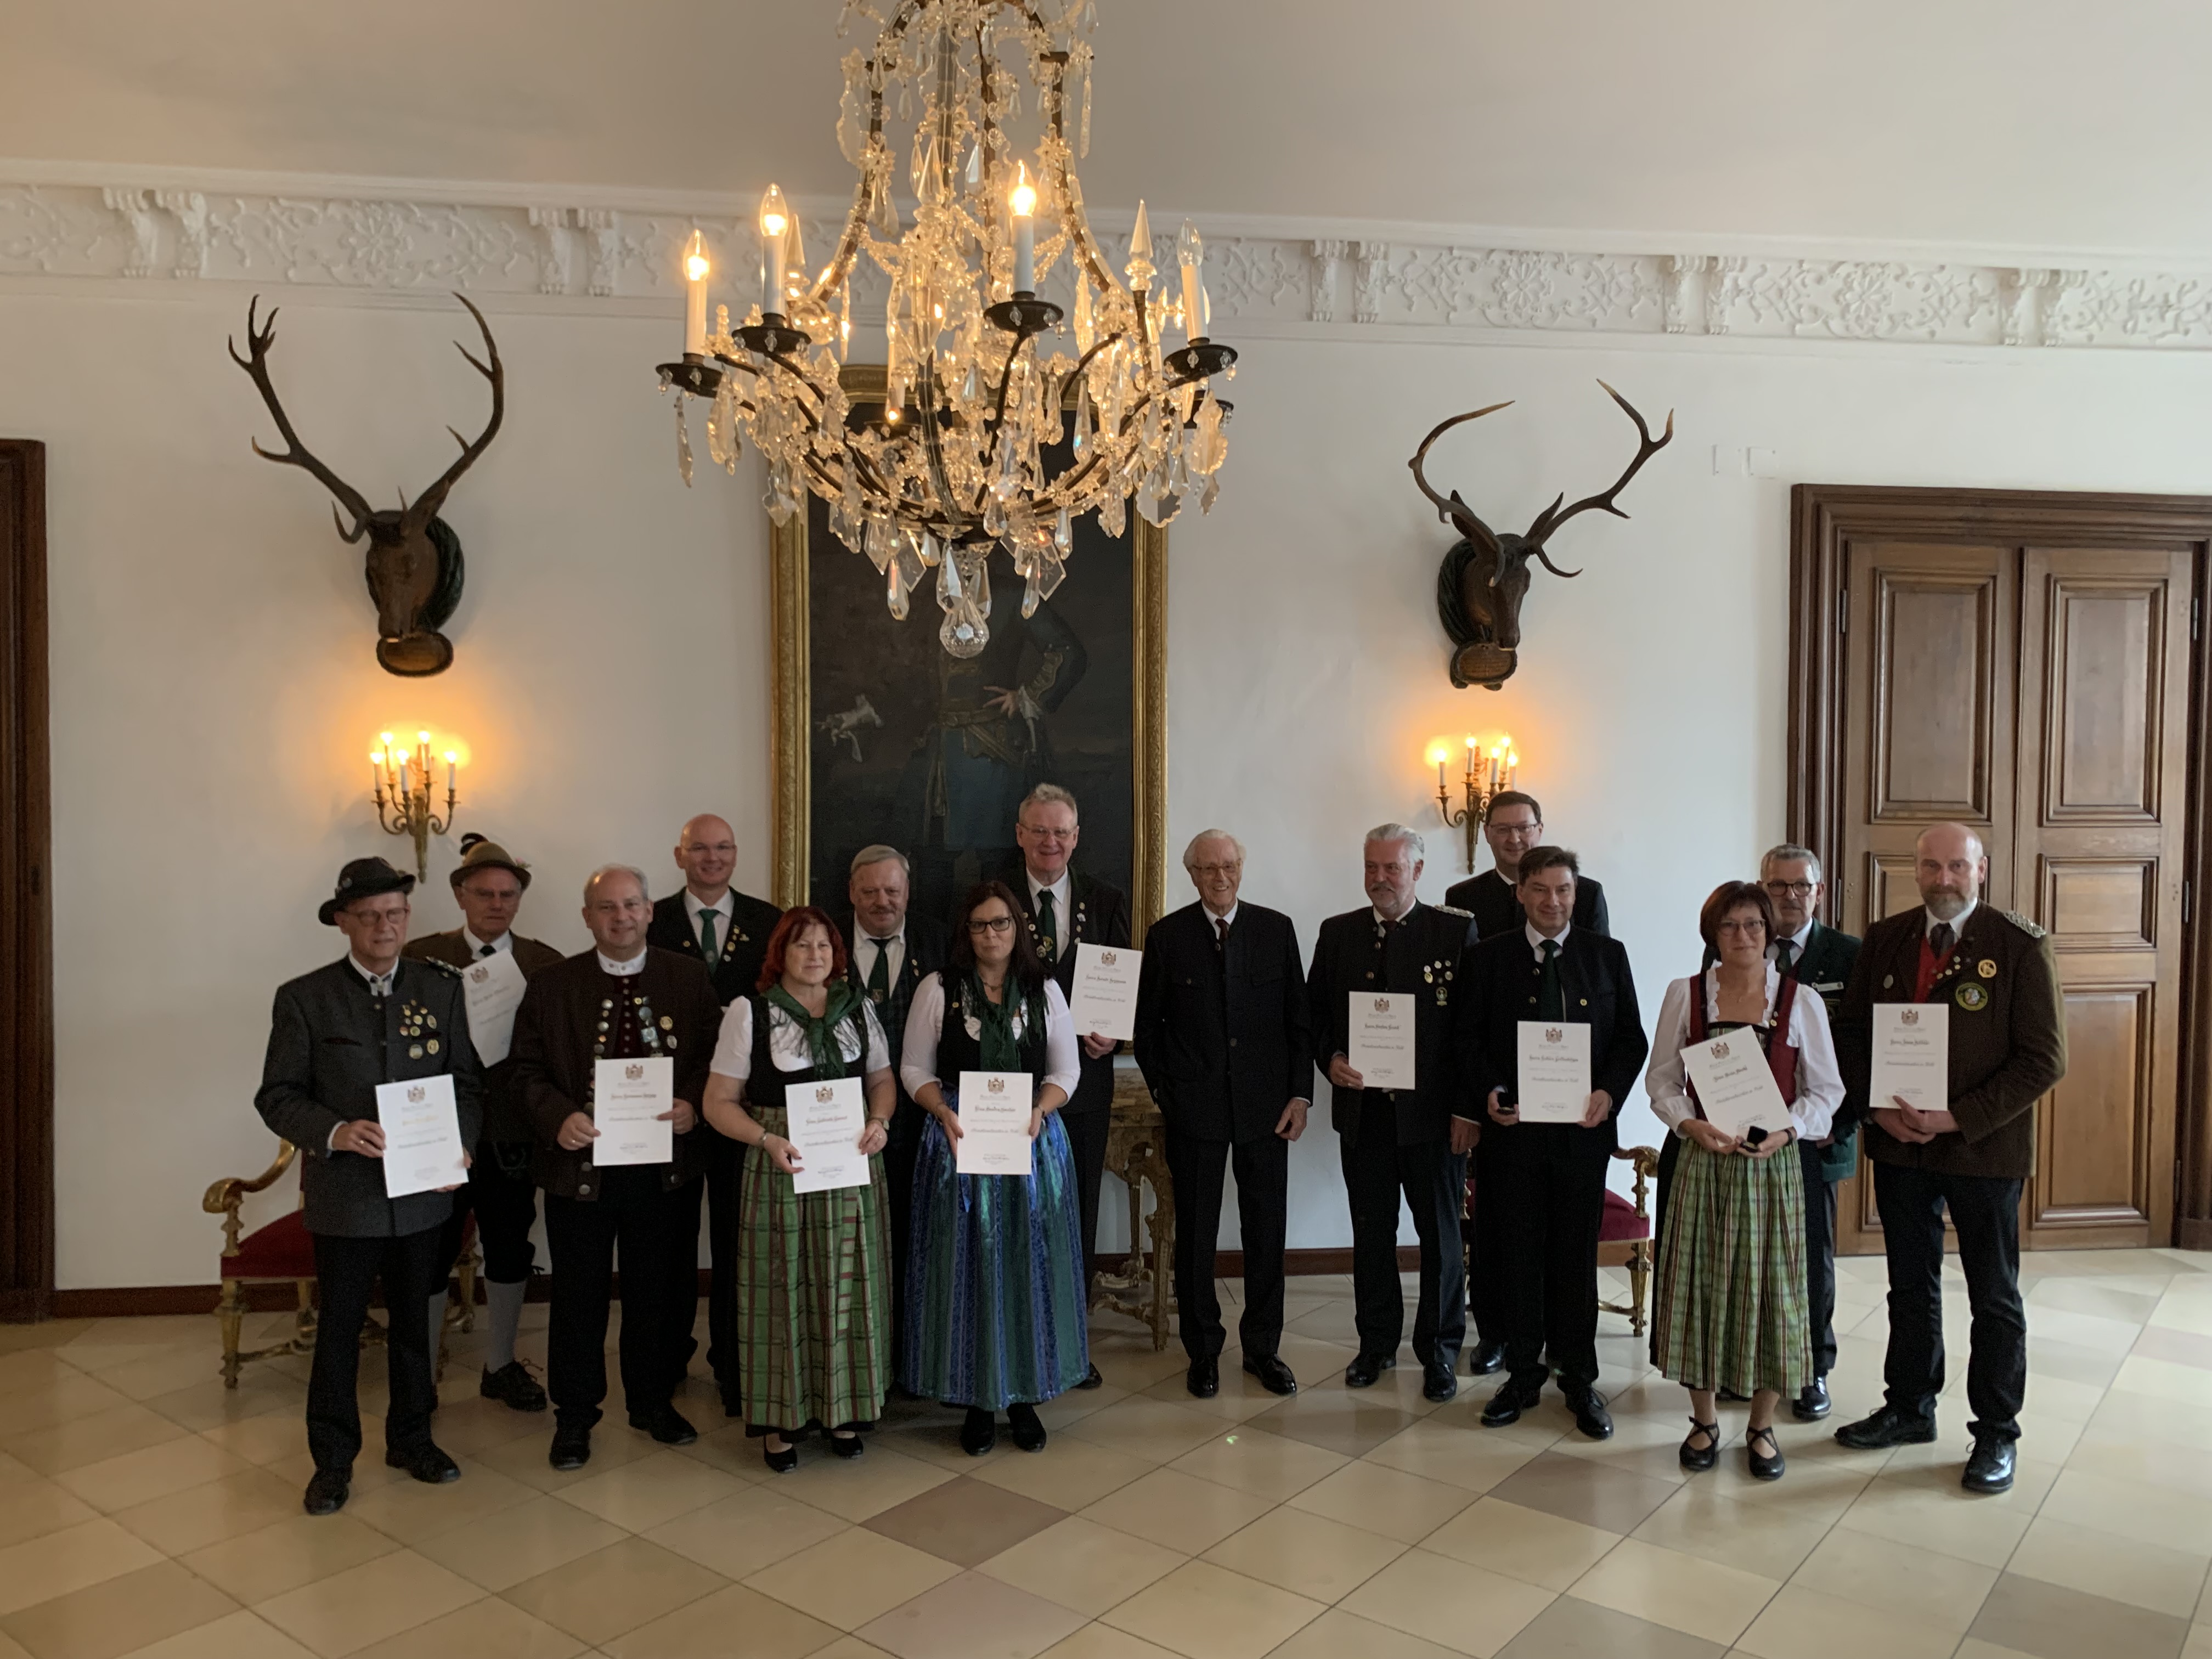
[(362, 879), (478, 853)]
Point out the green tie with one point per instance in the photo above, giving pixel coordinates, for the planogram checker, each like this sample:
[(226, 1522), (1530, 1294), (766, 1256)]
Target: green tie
[(1551, 1000), (707, 946), (1048, 934), (879, 976), (1784, 954)]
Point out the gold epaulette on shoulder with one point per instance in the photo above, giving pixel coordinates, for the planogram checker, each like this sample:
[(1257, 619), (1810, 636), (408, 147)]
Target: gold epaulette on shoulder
[(2022, 923), (1453, 910), (445, 968)]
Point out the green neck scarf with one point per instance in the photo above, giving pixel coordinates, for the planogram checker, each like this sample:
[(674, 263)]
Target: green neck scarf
[(1001, 1050), (844, 998)]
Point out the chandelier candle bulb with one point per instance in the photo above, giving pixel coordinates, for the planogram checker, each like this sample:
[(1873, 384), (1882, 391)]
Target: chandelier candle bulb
[(775, 220), (1189, 252), (695, 297), (1024, 203)]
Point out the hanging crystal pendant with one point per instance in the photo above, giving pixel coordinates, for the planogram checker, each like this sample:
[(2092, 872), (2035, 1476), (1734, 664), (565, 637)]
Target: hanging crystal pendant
[(682, 445)]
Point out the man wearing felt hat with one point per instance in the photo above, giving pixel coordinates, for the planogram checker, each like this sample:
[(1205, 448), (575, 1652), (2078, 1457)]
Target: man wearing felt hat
[(489, 884), (368, 1018)]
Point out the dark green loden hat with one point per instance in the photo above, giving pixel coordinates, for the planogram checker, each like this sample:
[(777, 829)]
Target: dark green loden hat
[(478, 853), (363, 878)]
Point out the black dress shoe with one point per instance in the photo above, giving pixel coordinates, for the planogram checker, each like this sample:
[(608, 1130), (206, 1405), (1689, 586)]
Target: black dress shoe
[(1699, 1458), (1205, 1379), (1439, 1379), (328, 1492), (1769, 1464), (1275, 1376), (1509, 1402), (1990, 1467), (426, 1463), (1885, 1428), (1488, 1357), (1362, 1372), (1091, 1379), (1813, 1403), (513, 1385), (779, 1463), (979, 1433), (847, 1446), (1590, 1415), (572, 1446), (667, 1426), (1029, 1432)]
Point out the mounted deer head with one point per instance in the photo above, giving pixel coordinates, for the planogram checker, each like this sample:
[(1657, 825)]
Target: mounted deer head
[(1485, 577), (415, 567)]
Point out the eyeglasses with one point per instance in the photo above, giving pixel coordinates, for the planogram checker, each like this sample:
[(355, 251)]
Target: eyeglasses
[(1214, 869), (995, 925), (1515, 828), (1750, 925), (1791, 889)]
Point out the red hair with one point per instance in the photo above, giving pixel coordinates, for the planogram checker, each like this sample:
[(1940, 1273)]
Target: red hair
[(793, 922)]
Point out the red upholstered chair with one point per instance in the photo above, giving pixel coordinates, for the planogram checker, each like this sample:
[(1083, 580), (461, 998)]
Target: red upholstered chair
[(1623, 1232), (283, 1252)]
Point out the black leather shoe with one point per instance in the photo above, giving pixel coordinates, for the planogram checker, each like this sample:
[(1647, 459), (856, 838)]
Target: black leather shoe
[(1362, 1372), (1769, 1464), (1813, 1403), (1488, 1357), (426, 1463), (1439, 1379), (1699, 1458), (1029, 1432), (328, 1492), (979, 1433), (1590, 1415), (847, 1446), (1509, 1402), (667, 1426), (572, 1446), (1885, 1428), (1275, 1376), (1204, 1379), (1990, 1467), (1091, 1379), (779, 1463), (513, 1385)]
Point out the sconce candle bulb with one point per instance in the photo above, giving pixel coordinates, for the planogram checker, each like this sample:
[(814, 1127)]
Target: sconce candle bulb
[(401, 784), (1486, 780)]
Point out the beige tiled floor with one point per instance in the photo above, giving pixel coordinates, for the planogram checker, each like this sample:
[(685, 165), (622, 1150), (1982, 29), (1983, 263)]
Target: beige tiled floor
[(146, 1511)]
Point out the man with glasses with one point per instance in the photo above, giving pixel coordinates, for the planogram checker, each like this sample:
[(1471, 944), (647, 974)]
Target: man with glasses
[(1515, 824)]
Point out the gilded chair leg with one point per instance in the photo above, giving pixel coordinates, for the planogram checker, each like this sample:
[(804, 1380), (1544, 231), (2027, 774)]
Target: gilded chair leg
[(1639, 1279), (231, 1310)]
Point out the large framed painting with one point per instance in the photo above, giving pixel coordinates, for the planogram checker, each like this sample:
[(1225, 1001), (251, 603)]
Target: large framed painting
[(881, 736)]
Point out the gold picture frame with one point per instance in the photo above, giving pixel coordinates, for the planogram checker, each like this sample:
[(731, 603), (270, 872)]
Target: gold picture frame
[(792, 712)]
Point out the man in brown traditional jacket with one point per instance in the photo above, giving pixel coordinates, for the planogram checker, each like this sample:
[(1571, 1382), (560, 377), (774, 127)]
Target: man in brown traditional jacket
[(621, 1000), (1994, 973)]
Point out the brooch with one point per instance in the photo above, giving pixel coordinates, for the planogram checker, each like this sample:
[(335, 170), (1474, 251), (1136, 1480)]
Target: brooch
[(1986, 969), (1971, 997)]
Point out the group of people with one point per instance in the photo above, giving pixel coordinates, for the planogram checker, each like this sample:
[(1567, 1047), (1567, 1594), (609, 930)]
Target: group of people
[(973, 1289)]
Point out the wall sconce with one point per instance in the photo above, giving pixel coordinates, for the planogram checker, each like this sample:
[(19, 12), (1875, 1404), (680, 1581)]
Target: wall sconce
[(402, 785), (1487, 777)]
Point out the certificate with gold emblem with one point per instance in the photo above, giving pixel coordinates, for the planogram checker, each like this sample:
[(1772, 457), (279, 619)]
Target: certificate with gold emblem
[(1555, 1072), (422, 1136), (1735, 1084), (994, 1124), (628, 1099), (492, 987), (1381, 1039), (1105, 1000), (1911, 1056), (826, 1122)]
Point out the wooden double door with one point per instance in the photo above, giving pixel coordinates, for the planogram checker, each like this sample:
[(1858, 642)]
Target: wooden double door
[(2025, 665)]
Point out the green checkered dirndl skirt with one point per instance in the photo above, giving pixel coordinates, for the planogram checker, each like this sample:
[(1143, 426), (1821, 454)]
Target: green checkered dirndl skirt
[(814, 1297), (1730, 1311)]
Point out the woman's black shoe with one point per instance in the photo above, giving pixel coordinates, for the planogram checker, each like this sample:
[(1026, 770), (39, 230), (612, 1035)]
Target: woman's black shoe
[(779, 1463), (979, 1433), (848, 1445), (1764, 1468), (1697, 1459), (1029, 1432)]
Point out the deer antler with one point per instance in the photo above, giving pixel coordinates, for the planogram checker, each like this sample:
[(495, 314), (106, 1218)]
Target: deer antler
[(257, 342), (1461, 516), (428, 503), (1552, 518)]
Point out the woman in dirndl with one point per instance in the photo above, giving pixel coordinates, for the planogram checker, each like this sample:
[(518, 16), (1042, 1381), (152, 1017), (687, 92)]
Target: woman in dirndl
[(1731, 1308), (995, 1289), (814, 1284)]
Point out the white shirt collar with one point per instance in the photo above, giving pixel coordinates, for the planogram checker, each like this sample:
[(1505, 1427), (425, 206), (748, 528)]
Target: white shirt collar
[(862, 936), (1230, 918), (1797, 943), (1536, 940), (1382, 921), (1059, 889), (693, 904), (622, 969), (378, 984), (1958, 923), (504, 942)]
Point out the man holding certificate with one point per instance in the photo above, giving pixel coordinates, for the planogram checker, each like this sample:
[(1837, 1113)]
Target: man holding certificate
[(1551, 1041), (339, 1038), (610, 1058), (1948, 1085), (1384, 988), (494, 962)]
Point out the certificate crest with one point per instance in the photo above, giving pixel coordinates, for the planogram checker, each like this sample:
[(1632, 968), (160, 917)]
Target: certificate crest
[(1909, 1017), (479, 974), (633, 1072), (416, 1095), (1382, 1004), (1553, 1034), (1720, 1051), (996, 1085), (824, 1095), (1108, 958)]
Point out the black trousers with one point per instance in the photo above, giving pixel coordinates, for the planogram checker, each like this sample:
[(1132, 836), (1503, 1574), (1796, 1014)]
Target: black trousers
[(1985, 1210), (348, 1269), (1819, 1258), (1485, 1245), (1377, 1171), (1263, 1181), (1086, 1140), (1552, 1177), (505, 1202), (653, 1229), (900, 1153), (725, 1169)]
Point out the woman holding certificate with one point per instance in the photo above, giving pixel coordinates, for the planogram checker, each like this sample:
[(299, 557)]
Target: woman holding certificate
[(1742, 1066), (802, 1072), (994, 1279)]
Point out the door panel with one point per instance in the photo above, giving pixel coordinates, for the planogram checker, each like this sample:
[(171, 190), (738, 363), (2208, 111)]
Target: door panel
[(2093, 1130)]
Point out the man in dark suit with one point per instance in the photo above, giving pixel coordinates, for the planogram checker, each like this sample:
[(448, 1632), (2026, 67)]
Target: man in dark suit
[(727, 931), (1513, 824), (622, 999), (1996, 974), (1065, 909), (892, 951), (1222, 1035), (489, 885), (334, 1035), (1552, 1175), (1395, 1141)]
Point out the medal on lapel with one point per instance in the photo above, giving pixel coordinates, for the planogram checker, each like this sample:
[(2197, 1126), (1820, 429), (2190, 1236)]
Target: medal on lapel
[(1972, 997)]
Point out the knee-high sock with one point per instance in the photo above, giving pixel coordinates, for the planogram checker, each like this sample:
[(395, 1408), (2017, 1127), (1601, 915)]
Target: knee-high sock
[(506, 1303)]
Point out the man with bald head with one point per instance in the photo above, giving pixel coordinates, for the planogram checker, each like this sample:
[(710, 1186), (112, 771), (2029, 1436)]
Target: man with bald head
[(1993, 971), (727, 931)]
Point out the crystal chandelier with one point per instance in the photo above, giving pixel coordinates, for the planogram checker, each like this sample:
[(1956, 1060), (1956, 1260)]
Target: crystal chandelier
[(989, 432)]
